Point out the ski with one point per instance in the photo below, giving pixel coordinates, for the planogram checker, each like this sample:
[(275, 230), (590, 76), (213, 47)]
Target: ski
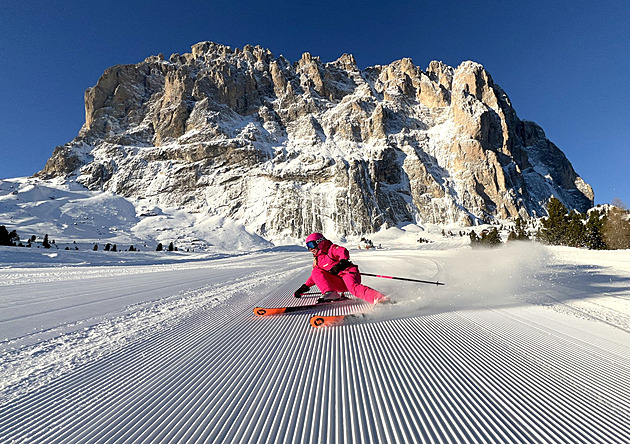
[(263, 311), (326, 321)]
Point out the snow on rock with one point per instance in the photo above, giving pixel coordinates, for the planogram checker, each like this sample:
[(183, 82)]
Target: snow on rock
[(220, 131)]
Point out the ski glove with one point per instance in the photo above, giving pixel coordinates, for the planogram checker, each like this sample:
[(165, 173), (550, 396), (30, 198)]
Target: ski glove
[(339, 267), (300, 291)]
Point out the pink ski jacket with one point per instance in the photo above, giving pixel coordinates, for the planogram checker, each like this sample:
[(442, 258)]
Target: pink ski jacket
[(328, 256)]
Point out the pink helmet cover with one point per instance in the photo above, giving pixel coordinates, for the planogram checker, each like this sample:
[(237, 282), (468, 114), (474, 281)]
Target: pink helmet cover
[(314, 237)]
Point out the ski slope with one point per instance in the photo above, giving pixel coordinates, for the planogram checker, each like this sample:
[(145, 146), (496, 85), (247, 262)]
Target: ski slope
[(523, 344)]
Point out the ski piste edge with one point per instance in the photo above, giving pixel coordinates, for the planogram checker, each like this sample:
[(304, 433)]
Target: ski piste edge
[(269, 311)]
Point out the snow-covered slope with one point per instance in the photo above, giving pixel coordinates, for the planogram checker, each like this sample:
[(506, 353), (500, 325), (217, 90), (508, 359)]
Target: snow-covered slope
[(75, 217), (523, 344)]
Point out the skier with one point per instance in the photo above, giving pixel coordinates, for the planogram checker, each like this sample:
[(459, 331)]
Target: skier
[(334, 273)]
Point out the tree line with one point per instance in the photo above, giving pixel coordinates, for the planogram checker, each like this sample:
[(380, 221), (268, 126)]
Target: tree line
[(605, 228), (601, 228), (12, 239), (492, 237)]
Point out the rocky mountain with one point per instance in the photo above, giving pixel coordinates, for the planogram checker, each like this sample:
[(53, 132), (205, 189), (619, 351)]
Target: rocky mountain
[(288, 148)]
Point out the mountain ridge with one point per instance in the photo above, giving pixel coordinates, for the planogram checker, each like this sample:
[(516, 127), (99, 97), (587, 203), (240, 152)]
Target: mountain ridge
[(286, 149)]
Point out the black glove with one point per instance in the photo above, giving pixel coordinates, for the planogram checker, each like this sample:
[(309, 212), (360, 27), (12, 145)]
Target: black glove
[(300, 291), (339, 267)]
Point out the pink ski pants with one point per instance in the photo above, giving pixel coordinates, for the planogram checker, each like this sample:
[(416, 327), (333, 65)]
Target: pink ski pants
[(348, 280)]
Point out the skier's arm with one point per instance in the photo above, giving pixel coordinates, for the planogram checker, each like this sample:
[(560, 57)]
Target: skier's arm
[(339, 253), (340, 266)]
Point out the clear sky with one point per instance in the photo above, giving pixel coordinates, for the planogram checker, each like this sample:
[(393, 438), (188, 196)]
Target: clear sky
[(564, 64)]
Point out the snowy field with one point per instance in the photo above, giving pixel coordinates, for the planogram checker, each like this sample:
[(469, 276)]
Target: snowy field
[(523, 344)]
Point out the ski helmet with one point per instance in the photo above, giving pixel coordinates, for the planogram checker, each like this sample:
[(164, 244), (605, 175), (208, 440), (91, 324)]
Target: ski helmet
[(314, 239)]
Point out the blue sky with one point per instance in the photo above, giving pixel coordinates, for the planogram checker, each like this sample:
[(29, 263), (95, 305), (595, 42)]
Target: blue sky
[(564, 64)]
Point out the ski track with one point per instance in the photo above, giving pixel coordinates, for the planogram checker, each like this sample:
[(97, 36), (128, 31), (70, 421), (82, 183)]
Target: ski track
[(516, 374)]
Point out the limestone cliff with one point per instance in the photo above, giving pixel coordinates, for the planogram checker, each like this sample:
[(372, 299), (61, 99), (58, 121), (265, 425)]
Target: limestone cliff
[(288, 148)]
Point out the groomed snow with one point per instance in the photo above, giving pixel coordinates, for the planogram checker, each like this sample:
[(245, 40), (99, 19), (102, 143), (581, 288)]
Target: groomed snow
[(523, 344)]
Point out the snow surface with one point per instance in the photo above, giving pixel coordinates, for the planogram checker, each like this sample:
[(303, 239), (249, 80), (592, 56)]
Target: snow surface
[(524, 343)]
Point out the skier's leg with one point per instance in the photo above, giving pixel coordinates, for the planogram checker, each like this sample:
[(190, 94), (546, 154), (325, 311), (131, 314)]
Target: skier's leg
[(352, 279), (327, 282)]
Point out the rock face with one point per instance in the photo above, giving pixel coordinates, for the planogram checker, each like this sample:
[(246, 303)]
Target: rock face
[(287, 149)]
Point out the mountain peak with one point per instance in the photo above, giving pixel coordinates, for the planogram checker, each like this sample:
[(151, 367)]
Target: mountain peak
[(287, 148)]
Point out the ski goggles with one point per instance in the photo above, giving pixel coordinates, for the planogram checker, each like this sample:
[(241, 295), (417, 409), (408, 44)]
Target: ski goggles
[(312, 245)]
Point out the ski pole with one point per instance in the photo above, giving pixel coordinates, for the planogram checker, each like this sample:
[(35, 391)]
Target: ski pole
[(401, 279)]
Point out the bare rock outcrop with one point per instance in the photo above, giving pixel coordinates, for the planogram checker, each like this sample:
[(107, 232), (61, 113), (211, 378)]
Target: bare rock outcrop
[(289, 148)]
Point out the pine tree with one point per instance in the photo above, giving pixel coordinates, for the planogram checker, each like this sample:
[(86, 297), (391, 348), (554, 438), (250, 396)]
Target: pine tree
[(4, 235), (171, 247), (492, 238), (594, 235), (8, 239), (160, 247), (474, 239), (519, 232), (576, 232), (46, 244), (520, 229), (554, 226)]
